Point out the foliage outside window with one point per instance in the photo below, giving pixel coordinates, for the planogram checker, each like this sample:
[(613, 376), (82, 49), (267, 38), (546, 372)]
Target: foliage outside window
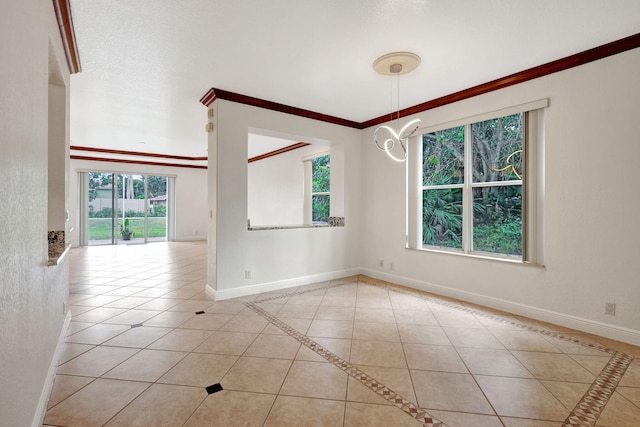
[(105, 191), (156, 186), (472, 181), (320, 189)]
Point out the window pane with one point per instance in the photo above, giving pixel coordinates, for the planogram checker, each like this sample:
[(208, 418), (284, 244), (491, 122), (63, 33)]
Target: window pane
[(497, 219), (497, 149), (443, 157), (157, 208), (320, 208), (320, 171), (100, 217), (442, 218)]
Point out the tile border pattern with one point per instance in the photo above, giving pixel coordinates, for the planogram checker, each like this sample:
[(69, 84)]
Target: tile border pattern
[(585, 413), (588, 410), (368, 381)]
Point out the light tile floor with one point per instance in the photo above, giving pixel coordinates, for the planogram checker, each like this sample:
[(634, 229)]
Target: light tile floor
[(349, 352)]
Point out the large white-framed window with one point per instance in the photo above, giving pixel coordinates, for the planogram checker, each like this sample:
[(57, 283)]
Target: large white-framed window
[(317, 188), (475, 185)]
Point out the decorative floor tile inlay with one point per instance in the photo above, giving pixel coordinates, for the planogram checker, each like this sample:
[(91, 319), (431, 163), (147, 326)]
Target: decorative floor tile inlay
[(214, 388), (385, 392), (585, 413), (382, 390), (588, 410)]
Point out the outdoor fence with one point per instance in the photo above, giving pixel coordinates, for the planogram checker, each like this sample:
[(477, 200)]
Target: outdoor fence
[(137, 205)]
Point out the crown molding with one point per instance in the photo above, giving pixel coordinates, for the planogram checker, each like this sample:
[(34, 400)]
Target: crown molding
[(552, 67), (576, 60), (136, 153), (136, 162), (214, 94), (278, 151), (76, 148), (65, 25), (208, 97)]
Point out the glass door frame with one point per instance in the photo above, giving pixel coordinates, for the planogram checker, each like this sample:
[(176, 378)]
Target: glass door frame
[(83, 205)]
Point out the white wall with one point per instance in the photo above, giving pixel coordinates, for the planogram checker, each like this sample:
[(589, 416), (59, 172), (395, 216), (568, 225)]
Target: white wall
[(275, 257), (276, 187), (191, 194), (592, 226), (31, 294)]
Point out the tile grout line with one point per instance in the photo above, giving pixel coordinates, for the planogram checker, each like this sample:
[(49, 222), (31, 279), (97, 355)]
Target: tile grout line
[(368, 381), (586, 412), (589, 408), (404, 350), (500, 319), (300, 292)]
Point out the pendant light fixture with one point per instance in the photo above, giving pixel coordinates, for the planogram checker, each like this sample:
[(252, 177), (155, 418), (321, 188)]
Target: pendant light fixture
[(395, 64)]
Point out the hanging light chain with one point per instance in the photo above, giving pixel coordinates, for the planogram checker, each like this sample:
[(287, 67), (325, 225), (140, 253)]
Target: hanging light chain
[(396, 68)]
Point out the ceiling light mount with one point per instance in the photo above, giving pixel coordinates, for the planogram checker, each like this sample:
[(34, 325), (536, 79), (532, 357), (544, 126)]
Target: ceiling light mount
[(395, 64)]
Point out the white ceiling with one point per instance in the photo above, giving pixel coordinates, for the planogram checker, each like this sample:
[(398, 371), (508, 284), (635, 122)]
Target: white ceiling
[(145, 64)]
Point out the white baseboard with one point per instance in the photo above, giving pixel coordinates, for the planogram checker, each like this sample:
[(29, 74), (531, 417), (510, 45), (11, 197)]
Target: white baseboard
[(591, 326), (222, 294), (210, 292), (41, 410), (568, 321), (190, 238)]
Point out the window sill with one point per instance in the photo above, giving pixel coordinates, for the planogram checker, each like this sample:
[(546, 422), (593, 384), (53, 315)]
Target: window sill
[(57, 253), (485, 257), (285, 227), (334, 221)]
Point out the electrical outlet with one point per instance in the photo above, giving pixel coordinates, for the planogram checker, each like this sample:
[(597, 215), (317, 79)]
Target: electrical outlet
[(247, 274), (381, 264), (610, 308)]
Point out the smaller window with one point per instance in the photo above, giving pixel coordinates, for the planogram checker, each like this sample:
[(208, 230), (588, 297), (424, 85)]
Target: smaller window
[(320, 189)]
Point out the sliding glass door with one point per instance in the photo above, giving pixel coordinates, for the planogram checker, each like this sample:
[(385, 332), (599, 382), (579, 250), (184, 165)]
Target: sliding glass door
[(102, 195), (156, 200), (125, 208)]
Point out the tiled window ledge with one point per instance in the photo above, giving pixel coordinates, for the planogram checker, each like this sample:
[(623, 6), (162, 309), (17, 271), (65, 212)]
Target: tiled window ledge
[(57, 254), (334, 221), (57, 247)]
